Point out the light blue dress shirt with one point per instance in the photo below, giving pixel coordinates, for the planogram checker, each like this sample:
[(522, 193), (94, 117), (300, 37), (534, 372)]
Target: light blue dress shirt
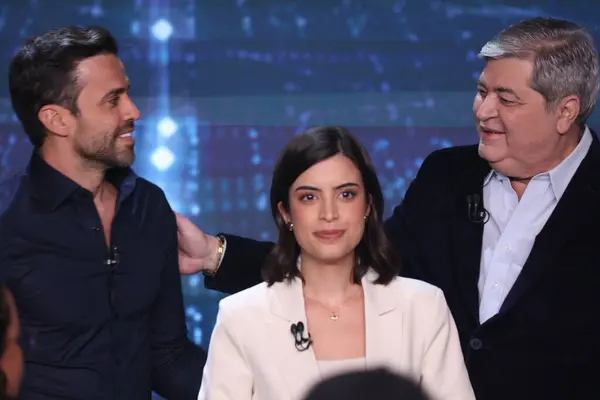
[(509, 234)]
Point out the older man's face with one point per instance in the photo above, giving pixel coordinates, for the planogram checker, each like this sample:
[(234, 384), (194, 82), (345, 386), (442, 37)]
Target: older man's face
[(516, 131)]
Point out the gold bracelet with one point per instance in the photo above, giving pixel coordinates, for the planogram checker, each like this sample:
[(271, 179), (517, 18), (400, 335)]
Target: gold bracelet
[(220, 250), (220, 253)]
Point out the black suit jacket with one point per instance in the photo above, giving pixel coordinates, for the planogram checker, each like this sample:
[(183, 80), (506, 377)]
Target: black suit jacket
[(545, 341)]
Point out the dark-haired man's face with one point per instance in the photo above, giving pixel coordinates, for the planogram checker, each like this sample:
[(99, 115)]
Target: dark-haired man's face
[(328, 205), (106, 113)]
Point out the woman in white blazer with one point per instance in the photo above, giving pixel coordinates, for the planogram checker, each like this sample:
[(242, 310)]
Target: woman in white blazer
[(332, 300)]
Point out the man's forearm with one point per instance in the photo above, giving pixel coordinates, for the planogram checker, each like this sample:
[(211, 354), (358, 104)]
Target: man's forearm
[(178, 377), (241, 265)]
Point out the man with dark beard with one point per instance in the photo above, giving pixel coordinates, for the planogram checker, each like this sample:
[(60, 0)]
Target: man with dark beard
[(89, 249)]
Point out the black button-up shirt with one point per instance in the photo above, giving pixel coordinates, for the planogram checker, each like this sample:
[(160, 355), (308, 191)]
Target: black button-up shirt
[(98, 322)]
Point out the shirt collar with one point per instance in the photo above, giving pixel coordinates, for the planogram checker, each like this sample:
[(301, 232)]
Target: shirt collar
[(489, 177), (52, 187), (561, 175)]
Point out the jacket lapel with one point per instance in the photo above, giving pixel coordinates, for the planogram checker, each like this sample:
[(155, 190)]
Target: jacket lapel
[(580, 198), (383, 327), (298, 369), (466, 237)]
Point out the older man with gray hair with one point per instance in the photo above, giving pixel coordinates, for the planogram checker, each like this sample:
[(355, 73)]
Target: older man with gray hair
[(508, 228)]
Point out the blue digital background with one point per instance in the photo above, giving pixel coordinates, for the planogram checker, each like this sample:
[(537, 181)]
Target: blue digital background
[(223, 84)]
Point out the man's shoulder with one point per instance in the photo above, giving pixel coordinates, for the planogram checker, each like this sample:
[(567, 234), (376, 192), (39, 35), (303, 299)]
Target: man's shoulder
[(446, 164), (10, 189), (149, 187), (150, 191), (453, 157)]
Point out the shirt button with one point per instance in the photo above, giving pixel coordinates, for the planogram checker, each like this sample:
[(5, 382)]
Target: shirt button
[(476, 344)]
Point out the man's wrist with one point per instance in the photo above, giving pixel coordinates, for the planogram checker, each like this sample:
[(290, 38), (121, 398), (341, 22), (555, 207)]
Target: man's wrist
[(217, 259)]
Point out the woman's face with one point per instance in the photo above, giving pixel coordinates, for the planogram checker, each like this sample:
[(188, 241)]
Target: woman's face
[(327, 207)]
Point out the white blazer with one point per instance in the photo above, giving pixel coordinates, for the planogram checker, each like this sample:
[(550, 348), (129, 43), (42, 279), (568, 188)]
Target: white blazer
[(409, 330)]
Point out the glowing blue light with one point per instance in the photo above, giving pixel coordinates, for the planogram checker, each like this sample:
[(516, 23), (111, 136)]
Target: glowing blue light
[(162, 158), (382, 144), (162, 30), (262, 202), (96, 11), (135, 28), (192, 186), (167, 127), (195, 210), (194, 280), (197, 336)]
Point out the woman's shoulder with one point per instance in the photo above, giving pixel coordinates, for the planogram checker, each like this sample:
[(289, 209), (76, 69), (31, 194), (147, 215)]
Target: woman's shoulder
[(418, 298), (242, 310), (411, 290), (253, 297)]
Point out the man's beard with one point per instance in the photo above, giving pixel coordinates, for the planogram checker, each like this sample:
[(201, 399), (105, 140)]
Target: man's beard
[(106, 152), (108, 155)]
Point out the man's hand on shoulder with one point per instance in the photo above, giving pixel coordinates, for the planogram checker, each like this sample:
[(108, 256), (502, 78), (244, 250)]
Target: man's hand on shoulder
[(198, 252)]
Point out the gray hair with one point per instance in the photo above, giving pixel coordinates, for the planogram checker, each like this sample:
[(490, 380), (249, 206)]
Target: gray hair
[(565, 59)]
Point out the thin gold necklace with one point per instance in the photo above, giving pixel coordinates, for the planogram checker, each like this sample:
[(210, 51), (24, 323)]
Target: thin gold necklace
[(335, 315)]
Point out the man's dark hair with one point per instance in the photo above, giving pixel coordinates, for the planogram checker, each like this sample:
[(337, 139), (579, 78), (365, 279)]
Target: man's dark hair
[(44, 72), (302, 152), (378, 384)]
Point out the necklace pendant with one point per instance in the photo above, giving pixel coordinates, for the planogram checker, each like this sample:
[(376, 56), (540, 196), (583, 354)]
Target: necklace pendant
[(334, 317)]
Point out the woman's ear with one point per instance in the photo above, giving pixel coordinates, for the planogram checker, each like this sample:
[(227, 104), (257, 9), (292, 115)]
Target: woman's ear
[(285, 216)]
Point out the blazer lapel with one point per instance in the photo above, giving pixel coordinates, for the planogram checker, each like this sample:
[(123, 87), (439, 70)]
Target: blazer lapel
[(298, 369), (383, 327), (582, 196), (466, 237)]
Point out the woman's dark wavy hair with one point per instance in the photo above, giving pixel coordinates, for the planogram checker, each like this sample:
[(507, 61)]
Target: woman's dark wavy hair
[(302, 152)]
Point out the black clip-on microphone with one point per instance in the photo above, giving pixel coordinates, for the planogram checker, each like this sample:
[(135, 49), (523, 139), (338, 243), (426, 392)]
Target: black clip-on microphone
[(301, 342), (476, 212)]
